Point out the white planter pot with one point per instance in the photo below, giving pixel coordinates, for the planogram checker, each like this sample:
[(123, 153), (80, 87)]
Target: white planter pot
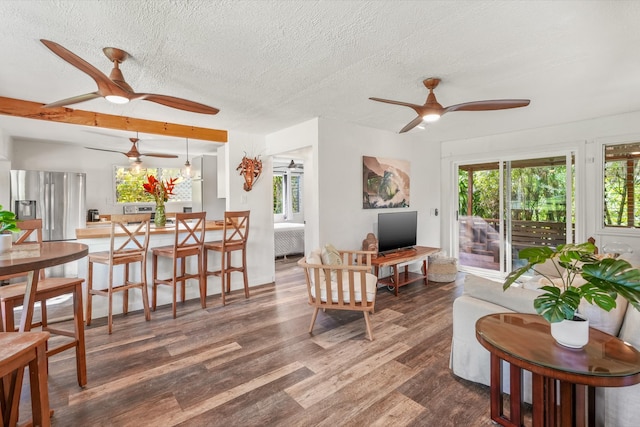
[(6, 240), (571, 333)]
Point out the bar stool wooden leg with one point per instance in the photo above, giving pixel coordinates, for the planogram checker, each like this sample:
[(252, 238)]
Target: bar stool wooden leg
[(154, 286), (244, 274), (89, 293), (81, 355)]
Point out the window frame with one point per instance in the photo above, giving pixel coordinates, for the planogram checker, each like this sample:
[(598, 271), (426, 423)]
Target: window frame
[(599, 159), (144, 172), (287, 207)]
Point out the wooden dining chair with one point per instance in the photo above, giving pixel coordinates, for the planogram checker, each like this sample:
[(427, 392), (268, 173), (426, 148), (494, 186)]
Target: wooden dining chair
[(129, 243), (17, 351), (12, 296), (188, 242), (235, 233)]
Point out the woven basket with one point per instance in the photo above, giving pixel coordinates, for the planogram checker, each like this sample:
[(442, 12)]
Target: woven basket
[(442, 269)]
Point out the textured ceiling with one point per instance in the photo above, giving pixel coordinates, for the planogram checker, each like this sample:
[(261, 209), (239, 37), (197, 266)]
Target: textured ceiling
[(270, 64)]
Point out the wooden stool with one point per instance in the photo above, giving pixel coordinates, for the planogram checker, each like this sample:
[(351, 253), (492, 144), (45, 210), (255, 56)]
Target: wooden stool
[(132, 246), (18, 350), (234, 238), (192, 228)]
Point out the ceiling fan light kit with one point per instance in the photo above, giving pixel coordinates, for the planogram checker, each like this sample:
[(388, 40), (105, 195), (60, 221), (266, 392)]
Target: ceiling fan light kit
[(114, 88), (115, 99), (431, 111)]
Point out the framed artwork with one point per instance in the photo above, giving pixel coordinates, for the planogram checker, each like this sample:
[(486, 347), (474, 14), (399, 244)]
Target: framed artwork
[(385, 183)]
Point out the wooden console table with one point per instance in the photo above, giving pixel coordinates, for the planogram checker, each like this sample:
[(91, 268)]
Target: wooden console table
[(394, 259), (563, 379)]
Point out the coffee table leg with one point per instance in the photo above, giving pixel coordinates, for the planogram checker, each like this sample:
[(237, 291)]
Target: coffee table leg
[(538, 400), (496, 388)]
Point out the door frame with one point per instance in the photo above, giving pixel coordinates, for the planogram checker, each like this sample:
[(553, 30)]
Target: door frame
[(450, 218)]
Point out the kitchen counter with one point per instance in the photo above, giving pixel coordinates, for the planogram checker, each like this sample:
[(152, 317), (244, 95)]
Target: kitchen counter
[(103, 229)]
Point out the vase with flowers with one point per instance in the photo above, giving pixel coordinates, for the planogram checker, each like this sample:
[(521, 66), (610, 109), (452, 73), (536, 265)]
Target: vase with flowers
[(160, 190)]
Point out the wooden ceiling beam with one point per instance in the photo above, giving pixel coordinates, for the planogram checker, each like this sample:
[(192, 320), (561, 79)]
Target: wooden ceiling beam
[(33, 110)]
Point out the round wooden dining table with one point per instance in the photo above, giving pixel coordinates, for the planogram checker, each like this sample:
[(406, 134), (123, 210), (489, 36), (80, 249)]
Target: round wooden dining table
[(30, 258)]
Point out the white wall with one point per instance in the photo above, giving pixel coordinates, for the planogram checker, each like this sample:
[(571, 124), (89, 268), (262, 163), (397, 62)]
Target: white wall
[(342, 220), (260, 249), (333, 179), (585, 137)]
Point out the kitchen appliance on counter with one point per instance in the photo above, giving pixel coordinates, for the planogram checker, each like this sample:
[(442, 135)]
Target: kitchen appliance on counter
[(93, 215), (136, 209), (58, 198)]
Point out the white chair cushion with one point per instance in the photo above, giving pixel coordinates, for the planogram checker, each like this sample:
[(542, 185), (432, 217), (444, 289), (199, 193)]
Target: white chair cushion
[(371, 288)]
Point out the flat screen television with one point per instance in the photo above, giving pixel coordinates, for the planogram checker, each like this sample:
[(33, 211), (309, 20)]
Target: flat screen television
[(397, 230)]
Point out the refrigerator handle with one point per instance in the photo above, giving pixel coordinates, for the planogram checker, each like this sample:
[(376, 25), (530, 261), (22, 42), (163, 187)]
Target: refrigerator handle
[(52, 195)]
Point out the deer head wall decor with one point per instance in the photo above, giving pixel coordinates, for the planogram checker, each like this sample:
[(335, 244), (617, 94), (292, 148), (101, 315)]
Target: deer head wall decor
[(250, 169)]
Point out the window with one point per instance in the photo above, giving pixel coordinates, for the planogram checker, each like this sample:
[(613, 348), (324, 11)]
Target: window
[(128, 184), (278, 194), (287, 194), (621, 185)]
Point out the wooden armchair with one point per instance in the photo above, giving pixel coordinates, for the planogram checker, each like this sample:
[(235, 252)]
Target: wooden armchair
[(346, 286)]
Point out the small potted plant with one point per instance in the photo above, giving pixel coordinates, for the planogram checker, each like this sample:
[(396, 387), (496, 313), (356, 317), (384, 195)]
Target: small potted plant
[(8, 225), (606, 277)]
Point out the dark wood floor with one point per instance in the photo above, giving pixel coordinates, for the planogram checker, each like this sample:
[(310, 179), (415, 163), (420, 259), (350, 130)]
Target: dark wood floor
[(252, 363)]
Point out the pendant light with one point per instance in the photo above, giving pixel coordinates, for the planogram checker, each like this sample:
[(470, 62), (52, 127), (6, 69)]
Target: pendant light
[(136, 166), (186, 171)]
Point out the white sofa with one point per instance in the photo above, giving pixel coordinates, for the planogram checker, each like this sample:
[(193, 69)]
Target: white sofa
[(618, 407)]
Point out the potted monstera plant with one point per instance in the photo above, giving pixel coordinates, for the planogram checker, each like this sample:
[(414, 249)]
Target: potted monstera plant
[(8, 225), (603, 278)]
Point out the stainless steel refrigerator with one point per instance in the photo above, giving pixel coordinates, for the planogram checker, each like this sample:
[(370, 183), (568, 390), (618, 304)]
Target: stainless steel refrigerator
[(58, 198)]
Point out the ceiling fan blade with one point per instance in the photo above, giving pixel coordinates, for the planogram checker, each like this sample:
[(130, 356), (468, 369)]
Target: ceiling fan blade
[(73, 100), (404, 104), (413, 123), (105, 85), (166, 156), (104, 149), (179, 103), (497, 104)]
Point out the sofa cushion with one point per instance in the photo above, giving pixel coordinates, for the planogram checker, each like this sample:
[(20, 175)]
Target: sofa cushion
[(605, 321), (630, 331), (315, 257), (548, 269), (514, 298), (330, 255)]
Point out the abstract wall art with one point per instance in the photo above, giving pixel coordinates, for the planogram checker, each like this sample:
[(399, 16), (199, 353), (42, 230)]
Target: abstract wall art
[(385, 183)]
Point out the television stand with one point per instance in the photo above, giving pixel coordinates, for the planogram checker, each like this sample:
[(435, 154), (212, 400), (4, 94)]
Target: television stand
[(394, 259)]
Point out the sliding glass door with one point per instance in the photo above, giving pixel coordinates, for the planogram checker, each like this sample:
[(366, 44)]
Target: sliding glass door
[(504, 206)]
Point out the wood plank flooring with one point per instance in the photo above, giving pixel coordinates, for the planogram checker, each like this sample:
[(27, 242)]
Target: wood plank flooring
[(252, 363)]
